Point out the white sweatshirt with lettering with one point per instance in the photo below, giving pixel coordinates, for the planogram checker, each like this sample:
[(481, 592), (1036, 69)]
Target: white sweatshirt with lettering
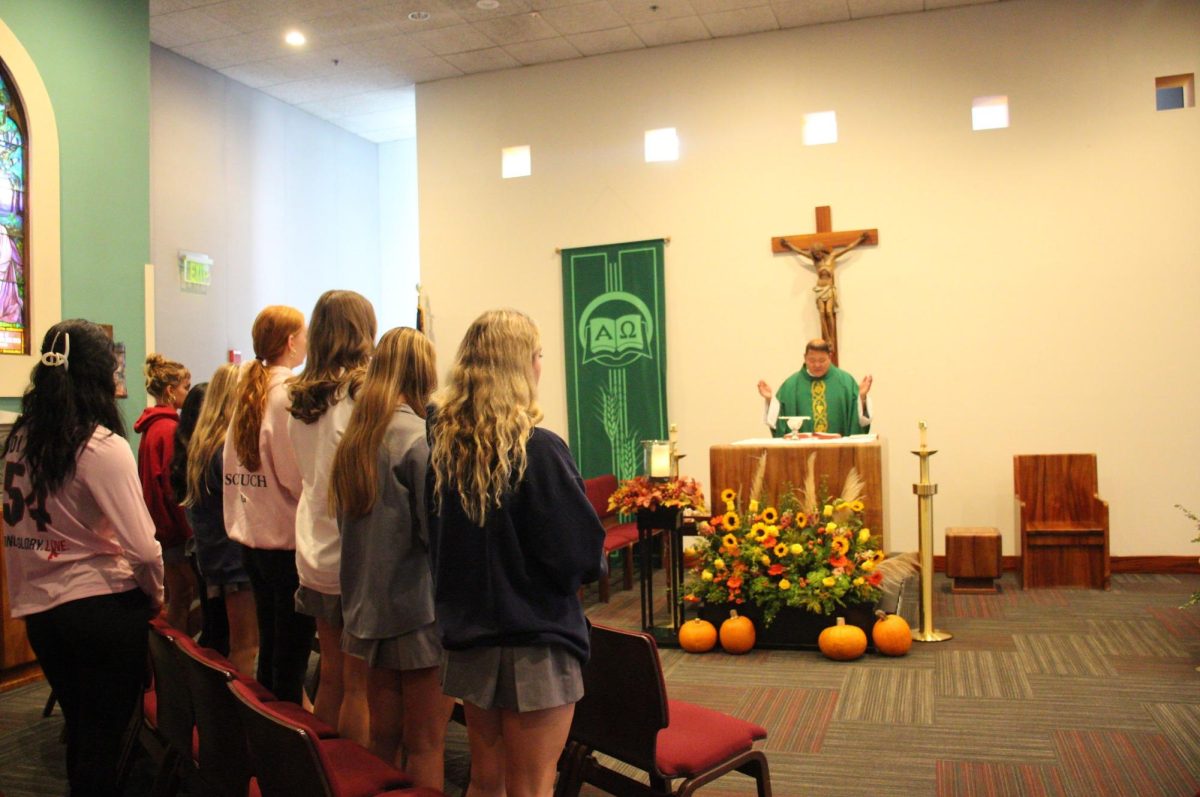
[(260, 505)]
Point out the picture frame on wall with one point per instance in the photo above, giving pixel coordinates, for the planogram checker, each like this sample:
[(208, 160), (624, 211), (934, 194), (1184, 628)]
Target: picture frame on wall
[(119, 351)]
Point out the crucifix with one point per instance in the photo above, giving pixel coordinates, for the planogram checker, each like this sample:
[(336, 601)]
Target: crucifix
[(822, 249)]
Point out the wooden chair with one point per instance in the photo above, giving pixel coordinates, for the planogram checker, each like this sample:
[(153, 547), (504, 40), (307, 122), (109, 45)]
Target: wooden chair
[(1062, 520), (625, 714), (290, 762), (617, 536)]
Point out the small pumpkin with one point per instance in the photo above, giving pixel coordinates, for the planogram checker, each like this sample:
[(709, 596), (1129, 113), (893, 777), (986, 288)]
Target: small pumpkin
[(891, 634), (697, 636), (737, 634), (842, 642)]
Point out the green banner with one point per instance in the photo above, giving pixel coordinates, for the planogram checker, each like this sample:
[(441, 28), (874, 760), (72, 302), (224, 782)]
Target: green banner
[(615, 323)]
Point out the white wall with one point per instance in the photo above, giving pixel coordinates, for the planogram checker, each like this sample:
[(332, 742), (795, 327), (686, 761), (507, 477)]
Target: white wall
[(1035, 289), (286, 204), (398, 232)]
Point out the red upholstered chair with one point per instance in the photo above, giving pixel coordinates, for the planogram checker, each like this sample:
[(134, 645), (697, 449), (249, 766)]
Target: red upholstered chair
[(290, 762), (174, 717), (617, 536), (224, 759), (625, 714)]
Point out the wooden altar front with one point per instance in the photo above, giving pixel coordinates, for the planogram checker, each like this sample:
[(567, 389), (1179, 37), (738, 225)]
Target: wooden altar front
[(733, 466)]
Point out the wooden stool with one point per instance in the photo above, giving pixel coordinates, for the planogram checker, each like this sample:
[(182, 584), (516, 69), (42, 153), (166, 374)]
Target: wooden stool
[(973, 559)]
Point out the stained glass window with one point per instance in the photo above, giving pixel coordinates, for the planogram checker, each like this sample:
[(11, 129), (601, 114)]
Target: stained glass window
[(14, 291)]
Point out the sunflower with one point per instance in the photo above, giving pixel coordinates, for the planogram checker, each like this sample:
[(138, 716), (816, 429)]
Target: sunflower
[(728, 495), (770, 515), (731, 522), (729, 541), (801, 519), (879, 556), (840, 544), (857, 506), (781, 550)]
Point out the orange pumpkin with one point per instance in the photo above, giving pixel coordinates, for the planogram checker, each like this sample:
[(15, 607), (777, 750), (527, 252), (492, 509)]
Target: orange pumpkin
[(697, 636), (737, 634), (891, 634), (842, 642)]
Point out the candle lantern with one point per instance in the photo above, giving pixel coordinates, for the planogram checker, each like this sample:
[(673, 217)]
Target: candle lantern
[(660, 464)]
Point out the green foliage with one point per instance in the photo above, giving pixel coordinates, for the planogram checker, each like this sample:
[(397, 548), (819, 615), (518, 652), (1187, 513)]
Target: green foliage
[(1192, 601)]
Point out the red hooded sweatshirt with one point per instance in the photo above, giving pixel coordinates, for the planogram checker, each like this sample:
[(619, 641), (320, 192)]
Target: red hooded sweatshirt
[(157, 428)]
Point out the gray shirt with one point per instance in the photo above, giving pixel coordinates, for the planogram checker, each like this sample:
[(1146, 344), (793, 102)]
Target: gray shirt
[(387, 586)]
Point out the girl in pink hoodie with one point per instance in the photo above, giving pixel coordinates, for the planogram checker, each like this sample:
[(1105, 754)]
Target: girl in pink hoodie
[(84, 569)]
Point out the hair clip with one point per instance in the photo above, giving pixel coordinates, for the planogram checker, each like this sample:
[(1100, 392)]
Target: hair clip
[(53, 358)]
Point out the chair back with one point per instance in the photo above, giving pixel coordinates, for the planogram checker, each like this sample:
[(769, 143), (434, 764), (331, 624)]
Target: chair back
[(1056, 486), (224, 757), (625, 700), (289, 764), (598, 489), (175, 717)]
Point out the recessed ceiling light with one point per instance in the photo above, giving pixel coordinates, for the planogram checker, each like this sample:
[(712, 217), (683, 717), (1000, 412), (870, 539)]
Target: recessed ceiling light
[(294, 38), (487, 5), (418, 16)]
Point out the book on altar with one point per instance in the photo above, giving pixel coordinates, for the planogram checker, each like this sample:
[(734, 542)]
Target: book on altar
[(806, 441)]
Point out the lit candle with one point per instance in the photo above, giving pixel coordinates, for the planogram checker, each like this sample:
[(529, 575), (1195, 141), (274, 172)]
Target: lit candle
[(660, 460), (921, 426)]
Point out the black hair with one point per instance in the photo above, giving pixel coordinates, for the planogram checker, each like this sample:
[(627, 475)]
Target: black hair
[(65, 402), (189, 413)]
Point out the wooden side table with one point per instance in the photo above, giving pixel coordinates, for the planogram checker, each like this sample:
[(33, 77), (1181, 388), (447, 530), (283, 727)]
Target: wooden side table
[(973, 559)]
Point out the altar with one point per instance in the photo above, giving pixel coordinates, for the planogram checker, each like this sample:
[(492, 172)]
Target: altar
[(733, 466)]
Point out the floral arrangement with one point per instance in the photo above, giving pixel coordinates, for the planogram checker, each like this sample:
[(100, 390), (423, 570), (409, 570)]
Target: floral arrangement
[(641, 492), (1192, 517), (814, 554)]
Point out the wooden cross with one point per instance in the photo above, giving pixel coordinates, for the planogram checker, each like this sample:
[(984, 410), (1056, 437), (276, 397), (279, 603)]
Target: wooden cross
[(823, 248)]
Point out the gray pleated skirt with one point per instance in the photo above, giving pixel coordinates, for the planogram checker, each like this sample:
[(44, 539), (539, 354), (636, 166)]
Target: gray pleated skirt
[(517, 679), (417, 650), (319, 605)]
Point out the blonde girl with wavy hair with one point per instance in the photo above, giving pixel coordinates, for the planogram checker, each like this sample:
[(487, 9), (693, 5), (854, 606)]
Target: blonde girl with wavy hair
[(168, 383), (261, 486), (378, 494), (218, 557), (341, 337), (512, 538)]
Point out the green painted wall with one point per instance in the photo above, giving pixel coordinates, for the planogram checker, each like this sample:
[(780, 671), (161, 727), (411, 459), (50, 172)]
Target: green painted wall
[(94, 57)]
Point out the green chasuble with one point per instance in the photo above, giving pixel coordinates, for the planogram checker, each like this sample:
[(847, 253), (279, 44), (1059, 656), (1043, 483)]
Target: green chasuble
[(841, 401)]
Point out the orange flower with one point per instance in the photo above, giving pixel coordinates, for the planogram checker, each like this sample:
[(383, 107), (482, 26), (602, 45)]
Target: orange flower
[(734, 582), (839, 561), (774, 570), (875, 578)]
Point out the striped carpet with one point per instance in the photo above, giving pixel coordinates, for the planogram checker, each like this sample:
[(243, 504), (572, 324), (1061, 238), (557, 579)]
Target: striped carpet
[(1047, 692)]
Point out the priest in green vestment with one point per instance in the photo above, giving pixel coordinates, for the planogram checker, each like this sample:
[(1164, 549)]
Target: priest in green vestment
[(831, 398)]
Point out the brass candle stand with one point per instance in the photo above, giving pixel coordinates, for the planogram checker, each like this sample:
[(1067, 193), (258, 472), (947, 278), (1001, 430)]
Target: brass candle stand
[(925, 490)]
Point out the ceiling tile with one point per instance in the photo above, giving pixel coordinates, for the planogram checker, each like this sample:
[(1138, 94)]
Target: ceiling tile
[(517, 28), (473, 13), (456, 39), (932, 4), (542, 5), (703, 7), (641, 10), (543, 51), (583, 18), (878, 8), (796, 13), (396, 15), (672, 31), (483, 60), (368, 101), (392, 134), (390, 49), (232, 50), (606, 41), (423, 70), (740, 22), (301, 91), (378, 120), (187, 27)]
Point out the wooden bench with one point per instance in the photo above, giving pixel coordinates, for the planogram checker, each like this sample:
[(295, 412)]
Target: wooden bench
[(1062, 521), (973, 559)]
